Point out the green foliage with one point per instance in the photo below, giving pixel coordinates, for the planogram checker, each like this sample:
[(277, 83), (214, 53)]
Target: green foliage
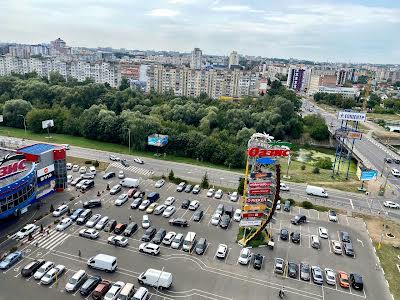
[(303, 167), (315, 170), (124, 84), (96, 164), (13, 110), (292, 202), (241, 186), (307, 205), (317, 127), (362, 79), (88, 162), (324, 163), (204, 182), (373, 101), (334, 100), (171, 175)]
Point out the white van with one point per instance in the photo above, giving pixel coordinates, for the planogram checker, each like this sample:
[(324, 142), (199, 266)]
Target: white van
[(129, 182), (141, 294), (156, 278), (316, 191), (189, 241), (104, 262), (92, 170), (127, 292)]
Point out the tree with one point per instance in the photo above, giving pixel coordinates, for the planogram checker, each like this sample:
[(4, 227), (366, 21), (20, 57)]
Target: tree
[(124, 84), (171, 175), (204, 181), (373, 101), (13, 110), (240, 186), (56, 78), (316, 127)]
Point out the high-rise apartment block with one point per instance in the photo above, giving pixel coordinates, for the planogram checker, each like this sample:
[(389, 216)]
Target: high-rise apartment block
[(298, 78), (233, 59), (196, 59)]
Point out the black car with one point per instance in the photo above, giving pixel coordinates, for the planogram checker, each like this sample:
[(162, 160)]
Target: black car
[(297, 220), (136, 203), (228, 210), (92, 203), (109, 175), (348, 249), (185, 204), (32, 267), (139, 194), (201, 246), (284, 234), (149, 234), (258, 261), (292, 269), (124, 162), (179, 222), (130, 229), (388, 160), (295, 237), (188, 188), (356, 281), (76, 213), (397, 161), (198, 215), (159, 236), (90, 284), (87, 186), (110, 226), (225, 221), (344, 237)]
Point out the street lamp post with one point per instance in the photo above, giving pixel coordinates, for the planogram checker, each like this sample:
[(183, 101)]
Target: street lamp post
[(22, 116), (129, 139), (383, 167)]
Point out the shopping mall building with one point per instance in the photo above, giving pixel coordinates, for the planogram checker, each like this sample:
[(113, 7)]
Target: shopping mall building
[(29, 174)]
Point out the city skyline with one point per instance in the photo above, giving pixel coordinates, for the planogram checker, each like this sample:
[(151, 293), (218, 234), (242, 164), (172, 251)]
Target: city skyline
[(334, 31)]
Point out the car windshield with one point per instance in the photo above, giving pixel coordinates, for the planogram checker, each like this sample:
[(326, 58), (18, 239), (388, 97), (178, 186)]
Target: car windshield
[(109, 295), (72, 281), (305, 268), (346, 280)]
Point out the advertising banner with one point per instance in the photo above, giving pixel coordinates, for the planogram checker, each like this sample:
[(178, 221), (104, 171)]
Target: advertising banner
[(259, 191), (255, 207), (157, 140), (45, 170), (352, 135), (365, 174), (47, 124), (259, 184), (252, 152), (12, 169), (256, 200), (253, 215), (248, 223), (352, 116)]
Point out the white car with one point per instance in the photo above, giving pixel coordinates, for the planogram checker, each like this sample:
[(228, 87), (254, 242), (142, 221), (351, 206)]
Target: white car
[(138, 160), (116, 189), (215, 219), (330, 276), (145, 222), (51, 275), (169, 237), (332, 216), (245, 256), (169, 211), (114, 157), (103, 222), (64, 224), (26, 231), (159, 183), (234, 196), (169, 201), (160, 209), (284, 187), (278, 205), (118, 240), (337, 247), (89, 233), (82, 170), (75, 168), (210, 192), (177, 242), (121, 174), (221, 251), (149, 248), (323, 232), (82, 183), (68, 166), (194, 205), (121, 199), (93, 220), (391, 204), (395, 173), (69, 179), (114, 291), (237, 216), (88, 176), (59, 211), (218, 194), (144, 204)]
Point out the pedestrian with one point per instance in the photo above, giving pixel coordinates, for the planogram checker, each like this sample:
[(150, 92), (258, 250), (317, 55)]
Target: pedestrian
[(130, 218), (79, 253), (41, 228)]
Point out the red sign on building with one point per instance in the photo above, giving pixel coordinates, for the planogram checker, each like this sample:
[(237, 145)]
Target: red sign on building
[(11, 169), (267, 152), (259, 184), (259, 191), (253, 215), (256, 200)]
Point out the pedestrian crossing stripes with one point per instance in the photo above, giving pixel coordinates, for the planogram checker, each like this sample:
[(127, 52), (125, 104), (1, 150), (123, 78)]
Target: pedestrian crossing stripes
[(47, 241), (133, 169)]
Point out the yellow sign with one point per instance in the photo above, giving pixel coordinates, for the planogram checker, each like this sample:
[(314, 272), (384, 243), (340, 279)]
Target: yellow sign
[(255, 207)]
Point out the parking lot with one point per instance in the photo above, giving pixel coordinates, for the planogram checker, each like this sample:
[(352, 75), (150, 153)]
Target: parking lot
[(204, 276)]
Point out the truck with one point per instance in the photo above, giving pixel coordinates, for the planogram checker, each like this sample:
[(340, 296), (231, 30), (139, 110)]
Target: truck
[(103, 262), (129, 182), (316, 191)]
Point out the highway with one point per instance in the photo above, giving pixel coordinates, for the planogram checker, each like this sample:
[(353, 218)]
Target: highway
[(339, 199)]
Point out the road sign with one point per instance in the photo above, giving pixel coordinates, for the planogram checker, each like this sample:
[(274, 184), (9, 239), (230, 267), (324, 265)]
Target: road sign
[(248, 223), (253, 215), (369, 175), (255, 207), (352, 135), (352, 116)]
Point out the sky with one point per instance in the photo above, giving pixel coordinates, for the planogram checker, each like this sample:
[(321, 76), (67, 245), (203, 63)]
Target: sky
[(319, 30)]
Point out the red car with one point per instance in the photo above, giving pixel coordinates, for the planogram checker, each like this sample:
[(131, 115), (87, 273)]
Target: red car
[(101, 290), (120, 228), (343, 279), (131, 192)]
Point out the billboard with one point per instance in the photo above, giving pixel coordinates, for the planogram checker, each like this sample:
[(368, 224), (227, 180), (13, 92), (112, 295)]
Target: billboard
[(17, 165), (1, 118), (255, 207), (256, 200), (47, 124), (259, 191), (260, 184), (352, 135), (352, 116), (157, 140), (252, 152), (249, 223), (365, 174), (253, 215)]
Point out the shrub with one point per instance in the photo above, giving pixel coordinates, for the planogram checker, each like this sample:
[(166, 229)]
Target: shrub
[(13, 249), (88, 162), (307, 205), (96, 164), (171, 175), (163, 177), (204, 182), (324, 163), (315, 170), (303, 167), (292, 202)]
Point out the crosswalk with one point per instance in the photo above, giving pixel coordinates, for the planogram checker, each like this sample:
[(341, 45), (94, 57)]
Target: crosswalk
[(133, 169), (47, 241)]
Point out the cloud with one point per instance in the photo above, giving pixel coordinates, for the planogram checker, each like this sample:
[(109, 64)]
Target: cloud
[(163, 12), (181, 2), (228, 8)]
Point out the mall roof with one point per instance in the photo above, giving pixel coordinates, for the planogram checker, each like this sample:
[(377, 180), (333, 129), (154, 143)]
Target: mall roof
[(37, 149)]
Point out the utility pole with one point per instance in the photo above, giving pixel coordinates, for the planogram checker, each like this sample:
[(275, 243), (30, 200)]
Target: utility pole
[(22, 116), (129, 139)]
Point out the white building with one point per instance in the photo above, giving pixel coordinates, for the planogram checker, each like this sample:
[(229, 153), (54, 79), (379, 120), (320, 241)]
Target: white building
[(344, 91), (233, 59), (196, 59)]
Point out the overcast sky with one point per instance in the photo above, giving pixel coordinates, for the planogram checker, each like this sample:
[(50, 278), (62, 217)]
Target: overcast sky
[(335, 30)]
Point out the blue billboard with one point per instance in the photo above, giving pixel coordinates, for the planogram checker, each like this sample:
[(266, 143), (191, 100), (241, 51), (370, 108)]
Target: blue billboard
[(369, 175), (158, 140)]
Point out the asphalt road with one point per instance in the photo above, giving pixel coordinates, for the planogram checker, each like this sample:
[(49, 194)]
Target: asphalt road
[(203, 277)]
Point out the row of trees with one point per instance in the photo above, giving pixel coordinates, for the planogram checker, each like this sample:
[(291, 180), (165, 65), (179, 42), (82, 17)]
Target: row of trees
[(335, 100), (201, 128)]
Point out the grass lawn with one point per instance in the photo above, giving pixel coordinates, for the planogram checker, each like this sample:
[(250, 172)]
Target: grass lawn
[(386, 117), (82, 162)]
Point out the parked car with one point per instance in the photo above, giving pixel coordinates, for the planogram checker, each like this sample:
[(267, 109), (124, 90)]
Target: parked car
[(286, 207), (391, 204), (10, 260), (215, 219), (337, 247), (76, 213), (110, 226), (237, 216), (292, 269), (220, 209), (29, 269), (93, 220), (317, 275), (177, 241), (330, 276), (210, 192), (305, 272), (201, 246), (145, 222), (136, 203), (160, 209), (299, 219), (395, 172), (131, 192), (87, 185), (181, 186), (295, 237), (92, 203), (121, 199), (221, 251), (75, 168), (219, 194), (103, 222), (169, 211), (343, 279), (82, 170), (121, 174), (89, 285), (332, 215), (284, 234), (356, 281), (59, 211), (130, 229), (88, 176), (119, 228), (188, 188), (69, 179), (258, 261), (139, 194), (198, 215), (115, 189), (159, 236), (118, 240), (159, 183), (149, 234), (169, 238), (284, 187), (114, 290), (234, 197), (101, 289), (344, 237), (64, 224), (348, 249), (185, 204), (179, 222), (109, 175), (114, 157), (194, 205), (151, 208), (388, 160), (245, 256), (68, 166), (225, 221), (149, 248), (196, 189), (323, 232), (144, 205), (52, 274), (89, 233), (169, 201), (279, 265)]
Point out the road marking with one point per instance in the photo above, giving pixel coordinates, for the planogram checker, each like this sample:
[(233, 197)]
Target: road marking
[(360, 241), (227, 254)]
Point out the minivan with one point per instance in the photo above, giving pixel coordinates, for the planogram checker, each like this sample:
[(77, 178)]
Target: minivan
[(189, 241), (315, 242), (76, 281), (92, 170), (128, 292), (153, 197), (84, 217)]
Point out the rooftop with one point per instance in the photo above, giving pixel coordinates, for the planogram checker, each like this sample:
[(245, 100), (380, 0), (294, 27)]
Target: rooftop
[(37, 149)]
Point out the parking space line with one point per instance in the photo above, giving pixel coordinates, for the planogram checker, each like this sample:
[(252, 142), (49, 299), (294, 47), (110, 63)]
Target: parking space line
[(330, 248), (318, 214), (205, 250), (227, 254)]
